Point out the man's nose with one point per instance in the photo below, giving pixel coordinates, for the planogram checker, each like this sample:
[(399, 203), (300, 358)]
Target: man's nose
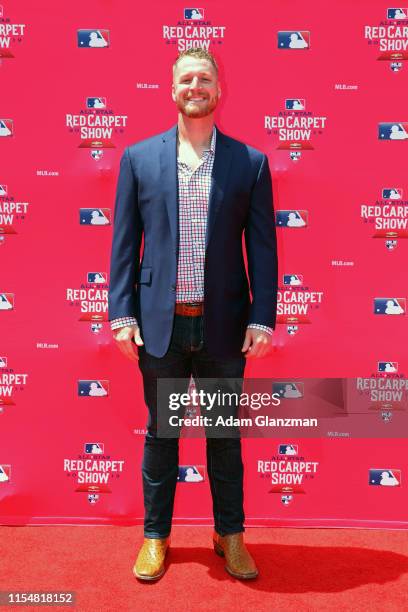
[(194, 82)]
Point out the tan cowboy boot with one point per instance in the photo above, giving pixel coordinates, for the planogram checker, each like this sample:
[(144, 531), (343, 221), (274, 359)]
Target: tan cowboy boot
[(150, 560), (240, 564)]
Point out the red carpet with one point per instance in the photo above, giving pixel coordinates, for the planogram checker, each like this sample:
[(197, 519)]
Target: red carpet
[(300, 569)]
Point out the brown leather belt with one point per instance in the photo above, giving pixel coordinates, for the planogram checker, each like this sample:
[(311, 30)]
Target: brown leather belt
[(189, 309)]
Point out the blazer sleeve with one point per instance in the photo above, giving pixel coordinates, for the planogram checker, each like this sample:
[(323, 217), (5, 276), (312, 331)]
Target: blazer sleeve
[(261, 247), (126, 241)]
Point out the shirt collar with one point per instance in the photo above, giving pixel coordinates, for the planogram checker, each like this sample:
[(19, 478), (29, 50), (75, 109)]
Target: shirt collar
[(213, 140)]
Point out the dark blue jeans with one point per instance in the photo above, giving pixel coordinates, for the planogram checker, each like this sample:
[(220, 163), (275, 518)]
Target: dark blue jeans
[(186, 356)]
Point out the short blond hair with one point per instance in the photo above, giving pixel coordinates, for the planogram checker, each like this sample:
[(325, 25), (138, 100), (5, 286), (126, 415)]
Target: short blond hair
[(199, 53)]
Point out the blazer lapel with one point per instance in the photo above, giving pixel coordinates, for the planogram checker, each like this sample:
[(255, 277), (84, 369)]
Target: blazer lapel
[(168, 172), (222, 164)]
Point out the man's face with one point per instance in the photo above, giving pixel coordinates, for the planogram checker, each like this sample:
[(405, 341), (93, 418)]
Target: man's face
[(195, 88)]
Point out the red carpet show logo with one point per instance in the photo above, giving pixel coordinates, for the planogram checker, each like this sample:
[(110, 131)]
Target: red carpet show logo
[(390, 37), (91, 298), (295, 126), (390, 370), (10, 383), (296, 301), (387, 392), (12, 212), (96, 125), (193, 30), (287, 472), (387, 216), (11, 34), (94, 471)]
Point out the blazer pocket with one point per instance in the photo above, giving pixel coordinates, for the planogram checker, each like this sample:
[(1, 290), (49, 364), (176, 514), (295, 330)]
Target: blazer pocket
[(145, 276)]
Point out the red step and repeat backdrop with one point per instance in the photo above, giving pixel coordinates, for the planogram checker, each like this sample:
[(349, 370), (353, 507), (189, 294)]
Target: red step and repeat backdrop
[(322, 91)]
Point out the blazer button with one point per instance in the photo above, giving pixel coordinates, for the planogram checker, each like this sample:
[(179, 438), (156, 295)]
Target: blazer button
[(173, 287)]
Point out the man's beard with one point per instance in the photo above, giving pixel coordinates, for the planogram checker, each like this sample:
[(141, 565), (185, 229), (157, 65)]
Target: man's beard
[(200, 109)]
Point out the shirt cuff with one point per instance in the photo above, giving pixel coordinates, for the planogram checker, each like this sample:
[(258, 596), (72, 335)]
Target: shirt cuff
[(122, 322), (268, 330)]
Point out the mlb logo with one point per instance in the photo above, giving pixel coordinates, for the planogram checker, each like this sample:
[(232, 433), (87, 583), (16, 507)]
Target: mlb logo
[(286, 499), (293, 279), (96, 328), (292, 329), (397, 13), (389, 306), (96, 102), (97, 277), (94, 216), (295, 155), (294, 39), (288, 390), (392, 193), (6, 301), (390, 245), (3, 190), (3, 362), (93, 38), (193, 13), (295, 103), (97, 154), (288, 449), (191, 473), (93, 388), (94, 448), (291, 218), (5, 473), (396, 66), (93, 498), (6, 127), (384, 478), (387, 366), (190, 412), (393, 131)]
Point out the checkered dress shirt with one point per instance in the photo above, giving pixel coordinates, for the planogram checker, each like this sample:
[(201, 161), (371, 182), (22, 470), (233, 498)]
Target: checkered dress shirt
[(194, 194)]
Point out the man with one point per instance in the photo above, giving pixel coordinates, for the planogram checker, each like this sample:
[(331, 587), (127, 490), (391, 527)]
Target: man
[(192, 191)]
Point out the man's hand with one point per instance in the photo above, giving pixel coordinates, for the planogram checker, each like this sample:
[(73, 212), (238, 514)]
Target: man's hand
[(257, 343), (123, 337)]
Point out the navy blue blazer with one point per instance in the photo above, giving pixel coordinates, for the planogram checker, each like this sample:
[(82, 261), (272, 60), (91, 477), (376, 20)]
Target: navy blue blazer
[(147, 204)]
